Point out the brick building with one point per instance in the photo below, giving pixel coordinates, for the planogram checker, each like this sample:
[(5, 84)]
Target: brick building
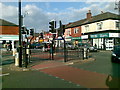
[(9, 33)]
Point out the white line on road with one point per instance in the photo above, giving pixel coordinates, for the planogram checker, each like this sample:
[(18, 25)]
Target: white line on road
[(5, 74)]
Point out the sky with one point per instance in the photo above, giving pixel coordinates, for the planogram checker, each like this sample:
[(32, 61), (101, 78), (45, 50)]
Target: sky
[(38, 14)]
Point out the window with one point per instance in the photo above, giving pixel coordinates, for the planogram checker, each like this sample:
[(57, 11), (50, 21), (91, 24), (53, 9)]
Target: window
[(87, 28), (99, 25), (76, 30), (68, 32), (117, 24)]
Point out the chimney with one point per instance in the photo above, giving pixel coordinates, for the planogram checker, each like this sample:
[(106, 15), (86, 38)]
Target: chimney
[(102, 12), (89, 15)]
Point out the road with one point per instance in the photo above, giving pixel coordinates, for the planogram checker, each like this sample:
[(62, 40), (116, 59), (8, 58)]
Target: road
[(78, 75), (102, 64)]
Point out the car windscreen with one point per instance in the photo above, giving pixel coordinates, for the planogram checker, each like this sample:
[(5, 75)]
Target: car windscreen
[(69, 43), (117, 49)]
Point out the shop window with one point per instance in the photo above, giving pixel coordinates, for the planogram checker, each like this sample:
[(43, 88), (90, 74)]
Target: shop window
[(76, 30), (99, 25)]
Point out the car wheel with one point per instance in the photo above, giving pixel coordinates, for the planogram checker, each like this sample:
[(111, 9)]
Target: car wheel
[(112, 59)]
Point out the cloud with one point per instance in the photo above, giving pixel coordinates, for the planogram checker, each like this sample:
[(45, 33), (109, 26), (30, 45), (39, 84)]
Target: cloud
[(9, 13), (39, 18)]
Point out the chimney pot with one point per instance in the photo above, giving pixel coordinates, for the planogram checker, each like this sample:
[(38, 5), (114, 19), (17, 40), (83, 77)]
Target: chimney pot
[(89, 15), (102, 12)]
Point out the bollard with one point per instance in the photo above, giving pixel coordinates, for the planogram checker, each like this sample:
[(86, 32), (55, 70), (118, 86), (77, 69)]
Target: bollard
[(28, 53), (14, 52), (16, 59), (84, 53)]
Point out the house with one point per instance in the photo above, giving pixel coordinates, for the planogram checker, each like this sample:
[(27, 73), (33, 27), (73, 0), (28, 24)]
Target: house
[(9, 33), (102, 29)]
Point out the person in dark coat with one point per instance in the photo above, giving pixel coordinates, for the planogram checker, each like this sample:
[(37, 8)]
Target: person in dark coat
[(10, 47), (50, 51)]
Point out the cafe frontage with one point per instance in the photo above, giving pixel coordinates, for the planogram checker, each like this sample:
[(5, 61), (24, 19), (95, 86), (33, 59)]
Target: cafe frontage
[(105, 41)]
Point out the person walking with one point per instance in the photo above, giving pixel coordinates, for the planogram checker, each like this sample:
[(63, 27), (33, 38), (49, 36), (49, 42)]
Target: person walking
[(7, 47), (10, 47), (50, 51)]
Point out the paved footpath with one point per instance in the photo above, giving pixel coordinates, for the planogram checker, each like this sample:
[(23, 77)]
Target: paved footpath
[(84, 78)]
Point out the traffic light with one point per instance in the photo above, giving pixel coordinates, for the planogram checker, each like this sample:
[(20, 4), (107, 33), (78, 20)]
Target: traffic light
[(32, 32), (41, 35), (61, 30), (27, 31), (52, 26), (23, 29)]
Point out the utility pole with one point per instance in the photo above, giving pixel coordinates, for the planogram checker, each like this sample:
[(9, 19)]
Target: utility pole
[(20, 43), (61, 33)]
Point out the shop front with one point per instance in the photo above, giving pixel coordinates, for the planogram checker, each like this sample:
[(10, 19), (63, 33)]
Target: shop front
[(76, 40), (14, 39), (105, 41), (84, 38)]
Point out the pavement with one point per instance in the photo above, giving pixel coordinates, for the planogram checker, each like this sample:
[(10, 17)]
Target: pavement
[(60, 74), (8, 62), (57, 69), (45, 64)]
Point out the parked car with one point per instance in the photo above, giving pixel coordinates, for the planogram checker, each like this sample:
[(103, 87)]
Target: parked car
[(69, 45), (115, 57), (88, 46), (36, 46)]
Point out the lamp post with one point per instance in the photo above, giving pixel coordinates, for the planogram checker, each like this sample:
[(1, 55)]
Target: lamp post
[(117, 7), (20, 43)]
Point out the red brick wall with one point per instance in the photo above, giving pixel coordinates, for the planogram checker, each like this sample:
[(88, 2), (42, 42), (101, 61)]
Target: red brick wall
[(9, 30), (76, 34)]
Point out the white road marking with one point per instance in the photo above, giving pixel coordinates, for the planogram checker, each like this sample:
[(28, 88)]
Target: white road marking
[(5, 74)]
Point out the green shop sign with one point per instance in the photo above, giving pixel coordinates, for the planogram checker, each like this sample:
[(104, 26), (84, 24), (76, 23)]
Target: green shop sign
[(73, 38), (103, 35)]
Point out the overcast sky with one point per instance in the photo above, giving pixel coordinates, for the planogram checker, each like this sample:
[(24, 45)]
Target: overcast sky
[(38, 14)]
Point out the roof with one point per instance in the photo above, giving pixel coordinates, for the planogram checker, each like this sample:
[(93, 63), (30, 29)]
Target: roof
[(100, 17), (6, 23)]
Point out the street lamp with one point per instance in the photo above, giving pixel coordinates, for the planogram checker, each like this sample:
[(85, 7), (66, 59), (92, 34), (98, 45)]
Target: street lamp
[(22, 16), (20, 43)]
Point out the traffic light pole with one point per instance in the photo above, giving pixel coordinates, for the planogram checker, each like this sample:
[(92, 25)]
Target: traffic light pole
[(20, 43), (61, 33)]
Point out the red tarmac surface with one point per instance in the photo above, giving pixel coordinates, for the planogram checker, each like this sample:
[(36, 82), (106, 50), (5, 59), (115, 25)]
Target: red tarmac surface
[(84, 78)]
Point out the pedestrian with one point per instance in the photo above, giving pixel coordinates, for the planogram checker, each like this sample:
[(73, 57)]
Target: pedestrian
[(7, 47), (50, 51), (95, 45), (48, 46), (10, 47)]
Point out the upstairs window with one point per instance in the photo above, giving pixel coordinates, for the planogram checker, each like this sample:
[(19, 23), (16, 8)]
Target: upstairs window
[(68, 32), (99, 25), (87, 28), (76, 30), (117, 24)]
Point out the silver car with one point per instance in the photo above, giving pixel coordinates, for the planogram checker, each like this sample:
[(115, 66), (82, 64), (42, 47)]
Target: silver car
[(88, 46), (69, 45)]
